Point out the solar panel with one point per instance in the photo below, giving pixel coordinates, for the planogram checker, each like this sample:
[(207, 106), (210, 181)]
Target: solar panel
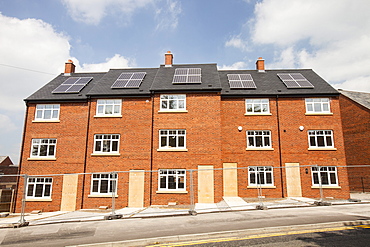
[(72, 85), (241, 81), (187, 75), (295, 80), (129, 80)]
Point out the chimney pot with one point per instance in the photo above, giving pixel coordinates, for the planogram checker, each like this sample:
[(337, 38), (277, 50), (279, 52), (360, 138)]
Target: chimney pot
[(260, 64), (69, 67), (168, 59)]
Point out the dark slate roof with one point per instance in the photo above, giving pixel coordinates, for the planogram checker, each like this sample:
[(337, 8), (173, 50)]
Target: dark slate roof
[(45, 93), (268, 83), (103, 88), (359, 97), (210, 79)]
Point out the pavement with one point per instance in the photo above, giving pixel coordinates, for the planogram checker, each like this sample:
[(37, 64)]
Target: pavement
[(227, 204)]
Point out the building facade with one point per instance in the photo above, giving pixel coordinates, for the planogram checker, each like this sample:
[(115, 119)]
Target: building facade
[(181, 134)]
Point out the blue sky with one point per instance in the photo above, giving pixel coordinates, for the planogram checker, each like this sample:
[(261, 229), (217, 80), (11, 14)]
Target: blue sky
[(37, 37)]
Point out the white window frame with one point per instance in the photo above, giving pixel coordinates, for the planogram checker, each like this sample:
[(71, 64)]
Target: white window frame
[(34, 184), (106, 181), (173, 102), (108, 108), (257, 106), (46, 145), (317, 105), (327, 175), (260, 176), (105, 143), (47, 112), (262, 137), (318, 137), (174, 177), (168, 135)]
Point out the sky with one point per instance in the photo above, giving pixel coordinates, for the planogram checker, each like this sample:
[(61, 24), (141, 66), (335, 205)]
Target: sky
[(37, 37)]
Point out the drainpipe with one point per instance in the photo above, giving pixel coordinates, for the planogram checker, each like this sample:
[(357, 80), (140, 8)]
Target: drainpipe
[(86, 146), (280, 155), (151, 152)]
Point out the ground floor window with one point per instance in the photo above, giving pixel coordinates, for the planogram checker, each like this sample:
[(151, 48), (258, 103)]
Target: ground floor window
[(172, 179), (260, 175), (104, 183), (327, 175), (39, 187)]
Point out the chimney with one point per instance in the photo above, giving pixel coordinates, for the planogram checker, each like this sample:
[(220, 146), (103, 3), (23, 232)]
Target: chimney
[(168, 59), (69, 68), (260, 64)]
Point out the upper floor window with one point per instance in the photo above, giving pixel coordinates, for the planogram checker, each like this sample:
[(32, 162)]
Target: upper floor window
[(47, 112), (38, 187), (175, 139), (108, 107), (44, 148), (320, 139), (106, 143), (258, 139), (173, 102), (318, 105), (104, 183), (324, 175), (172, 179), (257, 106), (260, 175)]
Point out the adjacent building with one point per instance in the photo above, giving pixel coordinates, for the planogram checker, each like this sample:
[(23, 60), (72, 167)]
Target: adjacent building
[(181, 133)]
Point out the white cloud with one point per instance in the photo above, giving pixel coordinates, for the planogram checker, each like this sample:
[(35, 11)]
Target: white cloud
[(168, 16), (93, 11), (238, 43), (6, 124), (115, 62), (234, 66)]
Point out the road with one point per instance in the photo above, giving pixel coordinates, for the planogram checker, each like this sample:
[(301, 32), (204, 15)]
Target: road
[(227, 222)]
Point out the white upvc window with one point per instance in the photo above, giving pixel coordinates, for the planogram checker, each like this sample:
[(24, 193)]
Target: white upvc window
[(170, 138), (43, 148), (320, 139), (258, 139), (47, 112), (317, 105), (39, 188), (260, 175), (257, 106), (108, 107), (172, 180), (326, 175), (173, 102), (104, 183), (106, 143)]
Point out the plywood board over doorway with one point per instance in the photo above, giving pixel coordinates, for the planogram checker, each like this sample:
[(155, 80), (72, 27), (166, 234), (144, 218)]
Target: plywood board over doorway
[(205, 184), (230, 179), (136, 189), (69, 192), (293, 180)]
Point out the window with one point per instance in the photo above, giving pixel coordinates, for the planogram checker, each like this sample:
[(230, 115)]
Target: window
[(318, 105), (109, 107), (43, 148), (257, 106), (327, 175), (173, 102), (106, 143), (39, 187), (104, 183), (47, 112), (320, 139), (258, 139), (172, 179), (172, 138), (260, 175)]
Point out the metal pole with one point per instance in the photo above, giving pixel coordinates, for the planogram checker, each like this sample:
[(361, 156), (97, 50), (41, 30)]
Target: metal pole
[(22, 220), (114, 175), (192, 204), (320, 184)]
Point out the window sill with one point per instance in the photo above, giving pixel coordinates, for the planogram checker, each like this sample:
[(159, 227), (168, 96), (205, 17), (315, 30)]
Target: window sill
[(45, 121), (172, 149), (38, 200), (319, 114), (326, 187), (322, 149), (101, 196), (258, 114), (171, 192), (259, 149), (172, 111), (108, 154), (107, 116), (40, 158), (261, 186)]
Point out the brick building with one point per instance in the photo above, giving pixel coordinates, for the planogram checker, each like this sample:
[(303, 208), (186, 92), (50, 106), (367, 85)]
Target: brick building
[(355, 112), (215, 132)]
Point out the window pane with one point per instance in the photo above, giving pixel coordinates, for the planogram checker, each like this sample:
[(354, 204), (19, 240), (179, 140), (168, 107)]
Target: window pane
[(258, 141), (324, 178), (38, 191), (315, 178), (317, 107), (320, 141), (171, 182), (55, 114), (47, 114), (329, 141), (309, 107), (51, 150), (164, 104), (115, 146), (95, 187), (181, 182), (251, 141), (108, 109), (312, 141), (252, 178), (181, 141), (173, 104), (30, 190), (162, 182), (267, 141), (257, 108), (47, 190), (117, 109), (104, 186), (163, 141), (181, 104), (98, 146), (43, 150), (172, 141)]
